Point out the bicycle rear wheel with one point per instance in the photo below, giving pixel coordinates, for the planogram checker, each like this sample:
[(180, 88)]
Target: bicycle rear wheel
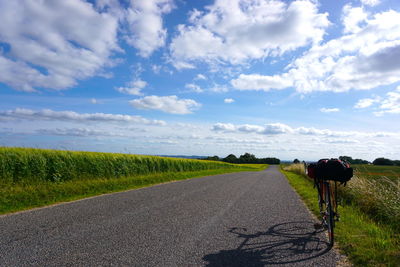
[(329, 213)]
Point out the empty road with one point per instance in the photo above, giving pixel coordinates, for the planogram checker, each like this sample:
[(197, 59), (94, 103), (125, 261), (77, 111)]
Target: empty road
[(240, 219)]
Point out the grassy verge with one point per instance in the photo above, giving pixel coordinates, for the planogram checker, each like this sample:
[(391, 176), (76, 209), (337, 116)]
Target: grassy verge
[(365, 241), (17, 197)]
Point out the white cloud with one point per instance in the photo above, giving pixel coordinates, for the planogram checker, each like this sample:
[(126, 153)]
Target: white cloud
[(168, 104), (225, 127), (133, 88), (329, 110), (366, 102), (146, 25), (229, 100), (277, 128), (54, 43), (268, 129), (352, 18), (200, 77), (194, 88), (370, 2), (94, 101), (235, 31), (390, 103), (247, 128), (260, 82), (283, 129), (365, 58), (48, 114)]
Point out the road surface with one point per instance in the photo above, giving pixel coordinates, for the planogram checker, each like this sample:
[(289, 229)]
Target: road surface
[(240, 219)]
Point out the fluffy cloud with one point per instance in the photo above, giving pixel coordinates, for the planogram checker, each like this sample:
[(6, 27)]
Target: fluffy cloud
[(352, 17), (370, 2), (52, 44), (48, 114), (133, 88), (229, 100), (281, 129), (224, 127), (146, 26), (366, 102), (168, 104), (260, 82), (235, 31), (268, 129), (329, 110), (364, 58), (390, 103)]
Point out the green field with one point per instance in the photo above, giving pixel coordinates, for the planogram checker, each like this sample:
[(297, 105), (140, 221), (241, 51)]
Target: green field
[(377, 172), (37, 177)]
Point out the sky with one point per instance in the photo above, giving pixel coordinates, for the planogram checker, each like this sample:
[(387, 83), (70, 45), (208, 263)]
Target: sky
[(302, 79)]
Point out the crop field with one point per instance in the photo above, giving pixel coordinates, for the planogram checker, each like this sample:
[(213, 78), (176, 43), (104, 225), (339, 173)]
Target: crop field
[(373, 171), (37, 177), (20, 165)]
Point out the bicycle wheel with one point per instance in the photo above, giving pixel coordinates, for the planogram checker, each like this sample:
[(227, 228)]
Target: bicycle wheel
[(329, 214)]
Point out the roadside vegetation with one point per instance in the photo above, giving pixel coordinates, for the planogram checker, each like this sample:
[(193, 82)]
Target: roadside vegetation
[(37, 177), (370, 212)]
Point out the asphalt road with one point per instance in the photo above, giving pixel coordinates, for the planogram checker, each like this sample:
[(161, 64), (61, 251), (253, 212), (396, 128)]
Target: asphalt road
[(242, 219)]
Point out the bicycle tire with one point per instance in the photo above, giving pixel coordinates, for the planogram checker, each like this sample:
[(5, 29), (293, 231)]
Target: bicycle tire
[(329, 214)]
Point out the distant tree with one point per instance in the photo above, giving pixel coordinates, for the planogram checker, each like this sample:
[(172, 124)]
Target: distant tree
[(396, 162), (346, 158), (248, 158), (296, 161), (215, 158), (383, 161), (353, 161), (231, 159), (270, 161)]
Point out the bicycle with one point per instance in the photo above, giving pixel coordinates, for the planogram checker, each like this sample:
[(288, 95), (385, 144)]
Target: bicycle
[(327, 201), (326, 174)]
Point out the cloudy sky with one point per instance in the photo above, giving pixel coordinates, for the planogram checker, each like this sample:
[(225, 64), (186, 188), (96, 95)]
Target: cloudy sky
[(289, 79)]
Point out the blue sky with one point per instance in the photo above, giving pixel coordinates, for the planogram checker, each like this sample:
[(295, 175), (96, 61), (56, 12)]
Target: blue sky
[(287, 79)]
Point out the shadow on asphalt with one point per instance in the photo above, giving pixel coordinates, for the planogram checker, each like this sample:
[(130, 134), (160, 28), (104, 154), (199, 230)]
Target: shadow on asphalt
[(283, 243)]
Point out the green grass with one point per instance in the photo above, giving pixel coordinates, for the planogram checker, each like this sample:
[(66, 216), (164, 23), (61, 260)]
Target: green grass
[(365, 241), (34, 177)]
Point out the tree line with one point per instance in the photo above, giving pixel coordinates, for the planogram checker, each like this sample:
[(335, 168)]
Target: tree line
[(377, 161), (246, 158)]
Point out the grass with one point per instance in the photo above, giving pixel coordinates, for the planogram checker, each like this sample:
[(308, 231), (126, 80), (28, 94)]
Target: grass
[(366, 241), (33, 177)]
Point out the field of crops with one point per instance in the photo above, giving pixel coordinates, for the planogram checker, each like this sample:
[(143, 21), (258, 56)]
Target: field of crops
[(37, 177), (374, 171), (22, 165)]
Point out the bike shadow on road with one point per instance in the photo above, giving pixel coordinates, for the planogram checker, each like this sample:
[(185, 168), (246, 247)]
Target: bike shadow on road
[(284, 243)]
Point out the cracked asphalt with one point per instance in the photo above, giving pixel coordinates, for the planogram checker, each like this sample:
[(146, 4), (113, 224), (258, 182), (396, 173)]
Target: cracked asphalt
[(239, 219)]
